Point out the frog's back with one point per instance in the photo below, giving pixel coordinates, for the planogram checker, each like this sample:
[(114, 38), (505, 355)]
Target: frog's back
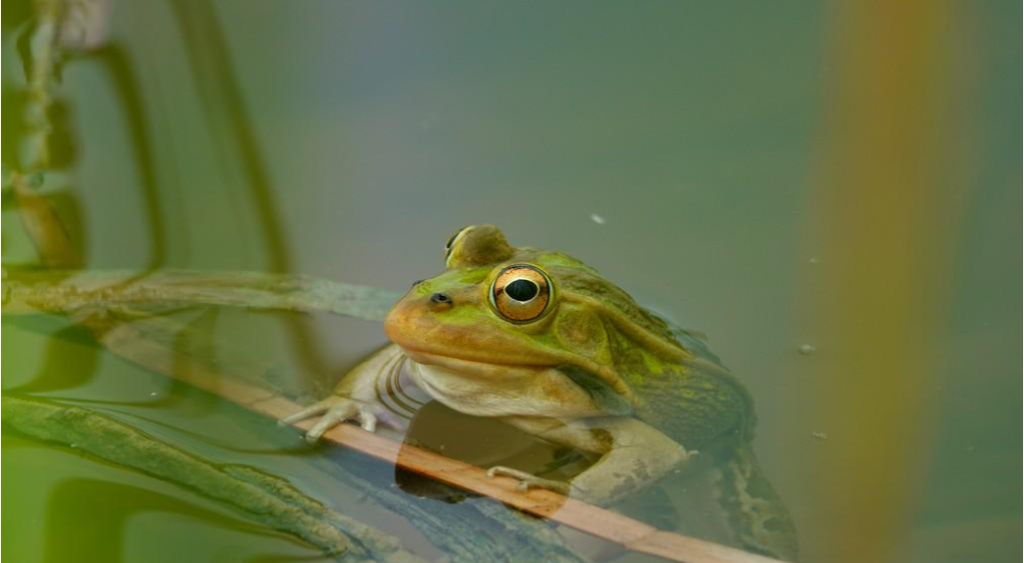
[(700, 405), (678, 384), (692, 399)]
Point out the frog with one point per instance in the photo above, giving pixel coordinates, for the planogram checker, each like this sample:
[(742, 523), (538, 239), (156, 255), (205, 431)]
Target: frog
[(541, 341)]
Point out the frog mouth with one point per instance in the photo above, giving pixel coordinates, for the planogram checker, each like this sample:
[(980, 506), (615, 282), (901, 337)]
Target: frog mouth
[(466, 362)]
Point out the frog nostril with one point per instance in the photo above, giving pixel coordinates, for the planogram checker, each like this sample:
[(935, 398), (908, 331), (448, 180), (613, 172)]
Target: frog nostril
[(440, 298)]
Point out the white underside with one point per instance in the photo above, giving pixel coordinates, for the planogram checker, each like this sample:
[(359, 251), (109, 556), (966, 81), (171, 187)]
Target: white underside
[(513, 396)]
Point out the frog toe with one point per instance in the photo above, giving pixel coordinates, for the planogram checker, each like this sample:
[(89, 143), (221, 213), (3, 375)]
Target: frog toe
[(332, 412), (335, 415), (308, 412), (528, 481), (368, 421)]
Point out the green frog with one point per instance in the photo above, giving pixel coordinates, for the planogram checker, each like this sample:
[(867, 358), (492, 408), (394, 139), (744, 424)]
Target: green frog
[(543, 342)]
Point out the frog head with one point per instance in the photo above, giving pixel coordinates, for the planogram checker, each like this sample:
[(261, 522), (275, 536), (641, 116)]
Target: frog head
[(497, 308)]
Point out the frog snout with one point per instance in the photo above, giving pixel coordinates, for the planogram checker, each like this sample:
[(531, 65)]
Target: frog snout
[(412, 319)]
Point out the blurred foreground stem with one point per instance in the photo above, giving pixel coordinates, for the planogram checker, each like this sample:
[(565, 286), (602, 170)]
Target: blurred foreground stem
[(62, 292), (256, 494)]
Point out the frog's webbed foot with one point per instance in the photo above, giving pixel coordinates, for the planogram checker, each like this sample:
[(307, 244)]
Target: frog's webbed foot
[(528, 481), (333, 411)]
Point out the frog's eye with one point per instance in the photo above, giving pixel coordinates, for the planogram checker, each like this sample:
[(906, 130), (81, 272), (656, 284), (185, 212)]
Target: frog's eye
[(521, 293)]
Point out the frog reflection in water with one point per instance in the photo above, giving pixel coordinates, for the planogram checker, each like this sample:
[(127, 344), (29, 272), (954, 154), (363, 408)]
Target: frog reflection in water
[(542, 342)]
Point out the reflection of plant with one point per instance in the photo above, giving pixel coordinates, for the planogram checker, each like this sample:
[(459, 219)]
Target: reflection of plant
[(62, 31), (42, 45), (24, 174)]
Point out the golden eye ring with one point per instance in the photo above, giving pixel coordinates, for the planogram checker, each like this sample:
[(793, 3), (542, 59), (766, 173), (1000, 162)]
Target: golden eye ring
[(521, 293)]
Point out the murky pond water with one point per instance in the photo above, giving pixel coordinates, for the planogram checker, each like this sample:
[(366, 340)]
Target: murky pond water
[(827, 191)]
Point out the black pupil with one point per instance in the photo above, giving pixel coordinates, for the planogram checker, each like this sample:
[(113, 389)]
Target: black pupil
[(521, 290)]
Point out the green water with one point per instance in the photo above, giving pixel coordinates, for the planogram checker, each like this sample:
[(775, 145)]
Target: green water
[(839, 177)]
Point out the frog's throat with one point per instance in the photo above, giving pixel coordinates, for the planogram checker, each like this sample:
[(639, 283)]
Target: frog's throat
[(509, 369), (503, 391)]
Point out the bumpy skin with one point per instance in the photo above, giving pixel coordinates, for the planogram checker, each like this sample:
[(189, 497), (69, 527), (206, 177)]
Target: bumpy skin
[(594, 371)]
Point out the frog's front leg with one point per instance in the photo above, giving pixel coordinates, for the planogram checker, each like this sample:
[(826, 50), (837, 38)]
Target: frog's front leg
[(355, 397), (633, 456)]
